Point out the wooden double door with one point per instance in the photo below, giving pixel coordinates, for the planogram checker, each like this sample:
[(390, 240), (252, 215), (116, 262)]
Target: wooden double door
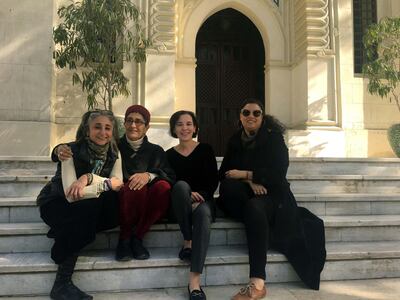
[(230, 68)]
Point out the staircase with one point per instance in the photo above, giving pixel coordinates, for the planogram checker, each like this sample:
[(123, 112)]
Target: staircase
[(359, 200)]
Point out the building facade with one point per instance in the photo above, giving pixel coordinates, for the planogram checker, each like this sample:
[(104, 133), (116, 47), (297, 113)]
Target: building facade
[(298, 56)]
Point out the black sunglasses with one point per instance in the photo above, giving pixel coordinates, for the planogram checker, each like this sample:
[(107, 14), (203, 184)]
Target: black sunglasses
[(256, 113)]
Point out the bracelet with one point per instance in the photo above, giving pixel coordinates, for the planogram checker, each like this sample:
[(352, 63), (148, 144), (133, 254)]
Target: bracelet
[(89, 178), (107, 185)]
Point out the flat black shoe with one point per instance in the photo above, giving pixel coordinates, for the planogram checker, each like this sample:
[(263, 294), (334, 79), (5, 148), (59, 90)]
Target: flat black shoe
[(124, 251), (197, 294), (138, 250), (185, 254), (68, 291)]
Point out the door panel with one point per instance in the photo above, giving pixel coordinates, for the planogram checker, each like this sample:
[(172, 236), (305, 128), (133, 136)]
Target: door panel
[(227, 72)]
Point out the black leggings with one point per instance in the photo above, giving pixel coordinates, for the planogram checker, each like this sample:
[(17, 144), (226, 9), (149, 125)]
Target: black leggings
[(194, 225), (256, 212), (74, 225)]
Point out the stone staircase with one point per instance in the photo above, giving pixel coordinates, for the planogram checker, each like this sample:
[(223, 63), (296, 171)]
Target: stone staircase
[(359, 200)]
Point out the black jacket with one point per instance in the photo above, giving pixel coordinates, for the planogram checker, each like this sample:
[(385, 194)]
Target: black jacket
[(297, 233), (54, 188), (148, 158)]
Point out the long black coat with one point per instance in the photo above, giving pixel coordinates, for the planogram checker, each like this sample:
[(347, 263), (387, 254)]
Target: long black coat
[(296, 232)]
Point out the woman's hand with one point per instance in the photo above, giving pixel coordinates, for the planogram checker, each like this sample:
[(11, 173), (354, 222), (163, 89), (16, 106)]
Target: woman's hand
[(138, 180), (75, 191), (237, 174), (116, 184), (63, 152), (196, 197), (258, 189)]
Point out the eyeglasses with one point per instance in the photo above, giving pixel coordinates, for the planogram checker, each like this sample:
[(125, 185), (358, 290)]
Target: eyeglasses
[(137, 122), (256, 113)]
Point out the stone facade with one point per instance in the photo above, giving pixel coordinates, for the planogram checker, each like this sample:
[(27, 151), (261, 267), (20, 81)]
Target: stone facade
[(309, 80)]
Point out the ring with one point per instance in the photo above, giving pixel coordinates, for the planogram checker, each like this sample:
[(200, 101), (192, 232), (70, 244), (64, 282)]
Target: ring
[(60, 152)]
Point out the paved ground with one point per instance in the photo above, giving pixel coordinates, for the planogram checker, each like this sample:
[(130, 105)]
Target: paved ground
[(379, 289)]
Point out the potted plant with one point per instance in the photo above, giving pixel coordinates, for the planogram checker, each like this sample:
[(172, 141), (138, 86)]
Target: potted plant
[(382, 47), (94, 39)]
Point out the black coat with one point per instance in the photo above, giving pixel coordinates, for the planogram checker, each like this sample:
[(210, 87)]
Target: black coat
[(296, 232), (148, 158), (54, 188)]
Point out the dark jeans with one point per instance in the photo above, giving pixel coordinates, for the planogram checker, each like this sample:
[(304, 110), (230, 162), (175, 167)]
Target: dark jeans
[(194, 225), (256, 212), (74, 225)]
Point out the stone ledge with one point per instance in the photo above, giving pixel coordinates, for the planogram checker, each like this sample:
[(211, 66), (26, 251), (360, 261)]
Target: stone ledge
[(217, 255), (7, 229)]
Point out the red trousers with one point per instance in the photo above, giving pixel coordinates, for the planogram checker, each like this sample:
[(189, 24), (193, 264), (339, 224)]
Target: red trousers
[(142, 208)]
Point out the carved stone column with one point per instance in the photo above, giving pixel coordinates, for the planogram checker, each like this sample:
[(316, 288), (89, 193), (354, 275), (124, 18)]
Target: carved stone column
[(315, 62)]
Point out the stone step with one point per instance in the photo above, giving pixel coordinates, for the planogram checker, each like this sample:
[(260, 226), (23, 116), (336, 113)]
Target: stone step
[(30, 185), (298, 165), (345, 166), (31, 237), (383, 288), (33, 273), (24, 209)]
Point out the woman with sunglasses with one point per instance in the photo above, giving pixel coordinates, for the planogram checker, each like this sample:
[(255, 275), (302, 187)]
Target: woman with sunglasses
[(81, 199), (254, 188), (193, 194), (145, 197)]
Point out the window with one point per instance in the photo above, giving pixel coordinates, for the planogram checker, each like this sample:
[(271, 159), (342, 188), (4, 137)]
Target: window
[(364, 14)]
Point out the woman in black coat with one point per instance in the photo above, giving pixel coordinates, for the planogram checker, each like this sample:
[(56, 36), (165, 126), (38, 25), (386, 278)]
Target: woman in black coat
[(81, 199), (255, 191)]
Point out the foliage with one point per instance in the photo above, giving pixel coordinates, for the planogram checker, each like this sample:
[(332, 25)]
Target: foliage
[(94, 39), (382, 46)]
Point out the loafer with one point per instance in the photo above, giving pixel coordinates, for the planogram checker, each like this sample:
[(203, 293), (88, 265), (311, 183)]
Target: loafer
[(138, 250), (123, 251), (185, 254), (197, 294), (250, 292)]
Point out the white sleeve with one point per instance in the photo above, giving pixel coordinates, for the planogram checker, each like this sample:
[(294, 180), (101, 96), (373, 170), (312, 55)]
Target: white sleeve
[(117, 169), (68, 176)]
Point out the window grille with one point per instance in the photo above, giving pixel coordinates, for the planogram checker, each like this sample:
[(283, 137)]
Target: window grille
[(364, 14)]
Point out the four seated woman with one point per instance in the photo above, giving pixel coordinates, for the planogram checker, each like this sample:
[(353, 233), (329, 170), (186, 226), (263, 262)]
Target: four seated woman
[(253, 190)]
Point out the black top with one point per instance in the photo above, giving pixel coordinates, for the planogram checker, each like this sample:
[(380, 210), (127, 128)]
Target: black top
[(148, 158), (198, 169)]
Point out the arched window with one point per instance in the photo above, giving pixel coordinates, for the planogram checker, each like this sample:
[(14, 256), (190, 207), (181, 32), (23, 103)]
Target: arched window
[(364, 14)]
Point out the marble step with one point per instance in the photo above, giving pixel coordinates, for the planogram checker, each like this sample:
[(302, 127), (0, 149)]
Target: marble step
[(24, 209), (31, 237), (298, 165), (97, 271), (30, 185)]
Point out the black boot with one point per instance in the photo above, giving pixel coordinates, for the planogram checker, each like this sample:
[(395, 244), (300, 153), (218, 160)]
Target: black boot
[(63, 287)]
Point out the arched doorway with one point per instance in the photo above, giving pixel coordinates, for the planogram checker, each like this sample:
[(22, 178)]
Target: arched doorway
[(230, 67)]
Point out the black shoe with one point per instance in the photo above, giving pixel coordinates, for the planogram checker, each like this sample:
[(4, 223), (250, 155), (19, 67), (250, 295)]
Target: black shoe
[(185, 254), (123, 252), (138, 250), (197, 294), (68, 291)]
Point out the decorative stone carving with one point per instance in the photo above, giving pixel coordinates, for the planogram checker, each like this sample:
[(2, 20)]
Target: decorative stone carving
[(162, 25), (312, 23)]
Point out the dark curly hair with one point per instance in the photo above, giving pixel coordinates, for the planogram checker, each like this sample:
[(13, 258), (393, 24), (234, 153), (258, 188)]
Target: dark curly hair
[(175, 117)]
